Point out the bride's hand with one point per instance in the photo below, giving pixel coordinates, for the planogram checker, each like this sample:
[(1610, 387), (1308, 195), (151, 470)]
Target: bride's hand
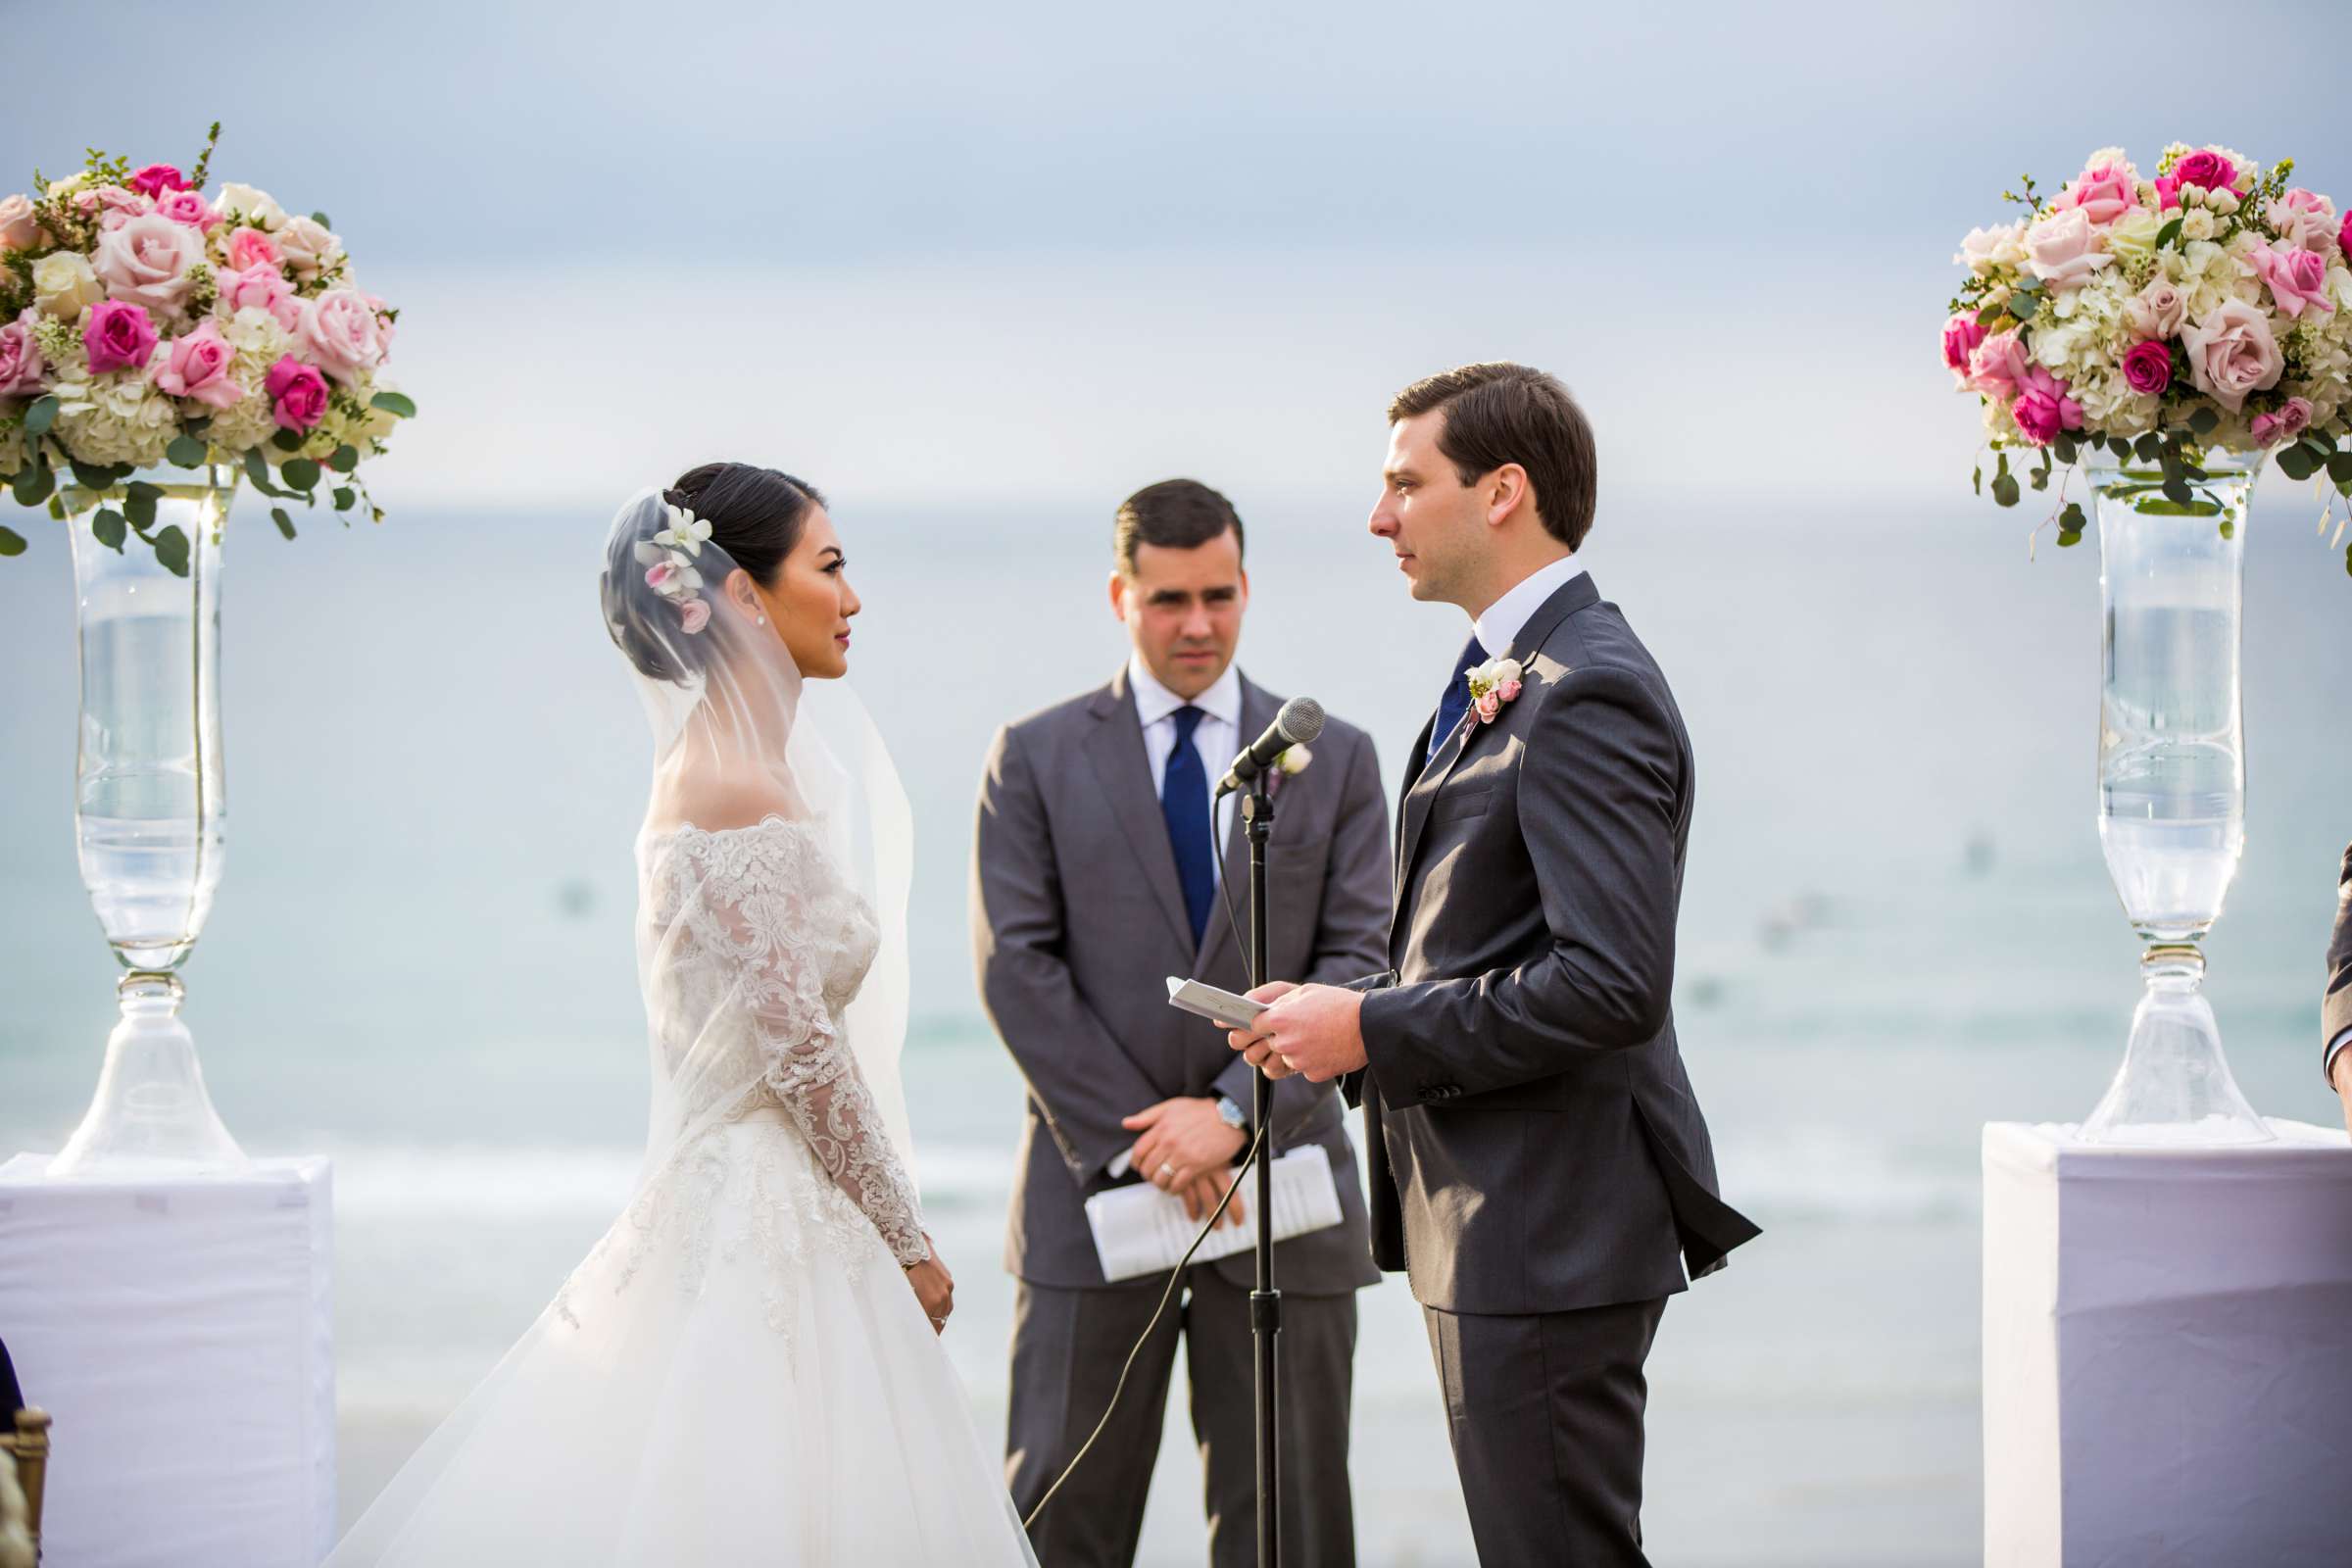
[(934, 1287)]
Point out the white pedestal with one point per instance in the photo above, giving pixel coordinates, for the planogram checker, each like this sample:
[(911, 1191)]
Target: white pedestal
[(181, 1333), (2168, 1350)]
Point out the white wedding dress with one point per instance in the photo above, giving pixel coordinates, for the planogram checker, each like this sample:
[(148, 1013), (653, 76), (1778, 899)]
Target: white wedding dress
[(738, 1373)]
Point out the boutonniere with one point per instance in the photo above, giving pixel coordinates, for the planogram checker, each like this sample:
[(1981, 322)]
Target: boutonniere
[(1297, 760), (1492, 684)]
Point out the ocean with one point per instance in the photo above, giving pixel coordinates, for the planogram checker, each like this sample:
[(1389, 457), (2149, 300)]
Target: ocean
[(1896, 926)]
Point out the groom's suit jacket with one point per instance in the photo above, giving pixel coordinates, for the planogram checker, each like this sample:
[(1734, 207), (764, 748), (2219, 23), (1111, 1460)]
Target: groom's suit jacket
[(1544, 1148), (1078, 919)]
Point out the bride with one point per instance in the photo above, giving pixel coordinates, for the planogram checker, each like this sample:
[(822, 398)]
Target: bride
[(745, 1369)]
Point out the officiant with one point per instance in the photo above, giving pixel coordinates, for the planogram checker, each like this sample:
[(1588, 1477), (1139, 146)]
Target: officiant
[(1102, 867)]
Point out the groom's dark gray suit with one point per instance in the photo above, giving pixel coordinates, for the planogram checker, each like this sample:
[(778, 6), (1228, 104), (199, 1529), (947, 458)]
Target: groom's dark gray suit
[(1078, 918), (1547, 1175)]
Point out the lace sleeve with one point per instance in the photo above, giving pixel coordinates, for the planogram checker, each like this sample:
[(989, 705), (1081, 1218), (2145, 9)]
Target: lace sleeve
[(766, 911)]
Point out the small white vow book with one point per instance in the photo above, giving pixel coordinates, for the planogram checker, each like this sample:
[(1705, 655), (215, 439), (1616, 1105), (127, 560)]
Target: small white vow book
[(1142, 1230)]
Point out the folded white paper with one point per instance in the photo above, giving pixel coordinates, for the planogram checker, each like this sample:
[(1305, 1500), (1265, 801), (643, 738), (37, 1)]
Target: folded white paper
[(1142, 1230)]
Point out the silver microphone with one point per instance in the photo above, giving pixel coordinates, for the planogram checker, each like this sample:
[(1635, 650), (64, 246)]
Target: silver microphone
[(1299, 722)]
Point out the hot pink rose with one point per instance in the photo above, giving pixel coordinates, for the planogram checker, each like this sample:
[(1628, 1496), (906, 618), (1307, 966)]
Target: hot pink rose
[(2063, 250), (157, 179), (694, 614), (19, 230), (2104, 192), (1997, 366), (262, 286), (187, 207), (2043, 407), (339, 329), (198, 367), (2168, 192), (2208, 169), (250, 247), (119, 335), (21, 365), (2290, 421), (2148, 368), (2232, 353), (1961, 335), (2343, 237), (147, 260), (297, 394), (2298, 280)]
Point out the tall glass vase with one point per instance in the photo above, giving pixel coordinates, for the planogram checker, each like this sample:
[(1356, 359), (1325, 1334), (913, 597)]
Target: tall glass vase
[(2173, 782), (149, 805)]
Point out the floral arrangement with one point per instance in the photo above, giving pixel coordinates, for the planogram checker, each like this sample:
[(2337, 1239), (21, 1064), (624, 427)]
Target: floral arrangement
[(668, 557), (2164, 320), (1492, 684), (143, 323)]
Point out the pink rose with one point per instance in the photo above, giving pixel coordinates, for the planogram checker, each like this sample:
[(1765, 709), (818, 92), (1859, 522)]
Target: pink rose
[(2063, 250), (1961, 335), (147, 260), (2104, 192), (21, 365), (262, 286), (339, 329), (1508, 691), (694, 614), (2298, 280), (1488, 706), (113, 205), (2207, 169), (297, 394), (2343, 237), (157, 179), (2288, 423), (1997, 366), (2148, 368), (189, 208), (2232, 353), (250, 247), (119, 335), (2043, 407), (2158, 310), (383, 323), (198, 367), (2168, 192), (2304, 218), (19, 230)]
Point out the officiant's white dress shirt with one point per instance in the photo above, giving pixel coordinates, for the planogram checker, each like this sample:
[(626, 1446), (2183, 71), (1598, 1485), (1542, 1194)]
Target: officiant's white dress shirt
[(1217, 737), (1507, 616)]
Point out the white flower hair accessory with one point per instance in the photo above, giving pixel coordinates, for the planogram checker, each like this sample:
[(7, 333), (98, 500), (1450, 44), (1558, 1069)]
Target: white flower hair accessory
[(686, 532), (670, 572), (1492, 684)]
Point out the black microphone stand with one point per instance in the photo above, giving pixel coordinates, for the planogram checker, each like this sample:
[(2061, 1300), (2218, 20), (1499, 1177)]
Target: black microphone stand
[(1265, 1303)]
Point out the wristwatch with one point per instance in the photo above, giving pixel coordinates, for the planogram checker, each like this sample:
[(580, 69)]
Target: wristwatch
[(1232, 1115)]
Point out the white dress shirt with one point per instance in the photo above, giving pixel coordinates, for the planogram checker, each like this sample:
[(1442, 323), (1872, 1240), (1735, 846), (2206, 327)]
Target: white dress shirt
[(1507, 616), (2335, 1048), (1217, 737)]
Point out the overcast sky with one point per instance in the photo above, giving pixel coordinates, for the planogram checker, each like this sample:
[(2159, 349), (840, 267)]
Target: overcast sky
[(1013, 252)]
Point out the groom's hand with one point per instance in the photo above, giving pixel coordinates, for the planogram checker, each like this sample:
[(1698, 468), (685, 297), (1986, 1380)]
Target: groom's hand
[(1184, 1141), (1313, 1031)]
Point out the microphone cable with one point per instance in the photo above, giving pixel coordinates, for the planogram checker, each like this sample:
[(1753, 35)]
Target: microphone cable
[(1176, 1275)]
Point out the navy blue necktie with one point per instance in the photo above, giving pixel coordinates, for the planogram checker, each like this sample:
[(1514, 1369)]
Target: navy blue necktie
[(1456, 700), (1184, 802)]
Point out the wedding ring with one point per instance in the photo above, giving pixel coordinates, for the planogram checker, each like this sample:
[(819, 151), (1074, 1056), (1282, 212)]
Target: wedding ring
[(1167, 1167)]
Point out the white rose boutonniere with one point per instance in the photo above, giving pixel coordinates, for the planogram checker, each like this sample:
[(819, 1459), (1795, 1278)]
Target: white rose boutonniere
[(1492, 684)]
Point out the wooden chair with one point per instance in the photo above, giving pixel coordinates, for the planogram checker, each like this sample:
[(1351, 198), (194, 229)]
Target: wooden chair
[(28, 1444)]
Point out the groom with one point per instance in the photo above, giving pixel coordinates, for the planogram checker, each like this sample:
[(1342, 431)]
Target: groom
[(1548, 1176)]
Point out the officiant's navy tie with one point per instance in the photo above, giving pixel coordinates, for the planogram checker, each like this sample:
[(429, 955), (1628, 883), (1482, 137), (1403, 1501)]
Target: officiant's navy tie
[(1456, 700), (1184, 802)]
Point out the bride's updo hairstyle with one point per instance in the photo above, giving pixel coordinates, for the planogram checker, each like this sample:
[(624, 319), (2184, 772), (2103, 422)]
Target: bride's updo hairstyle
[(755, 515)]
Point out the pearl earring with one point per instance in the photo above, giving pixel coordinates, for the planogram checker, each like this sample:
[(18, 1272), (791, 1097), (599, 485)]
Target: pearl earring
[(759, 620)]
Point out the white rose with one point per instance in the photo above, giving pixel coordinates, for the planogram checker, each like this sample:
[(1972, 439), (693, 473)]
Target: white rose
[(2133, 236), (2199, 224), (1988, 250), (64, 285), (255, 206), (70, 184), (2223, 202), (308, 247)]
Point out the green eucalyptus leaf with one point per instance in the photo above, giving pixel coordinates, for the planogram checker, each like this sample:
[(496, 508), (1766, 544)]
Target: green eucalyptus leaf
[(2023, 305), (33, 485), (300, 472), (11, 543), (41, 416), (108, 527), (285, 524), (2065, 449), (346, 458), (321, 219), (93, 476), (2147, 446), (2297, 462), (171, 548), (2229, 529), (2339, 467), (2072, 520), (344, 498), (2004, 489), (2204, 422), (287, 440), (2068, 538), (140, 510), (398, 403), (1980, 478), (2176, 491), (257, 469), (185, 452)]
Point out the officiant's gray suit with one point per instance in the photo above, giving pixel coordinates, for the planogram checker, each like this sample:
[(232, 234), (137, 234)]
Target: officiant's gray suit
[(1078, 918), (1547, 1176)]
